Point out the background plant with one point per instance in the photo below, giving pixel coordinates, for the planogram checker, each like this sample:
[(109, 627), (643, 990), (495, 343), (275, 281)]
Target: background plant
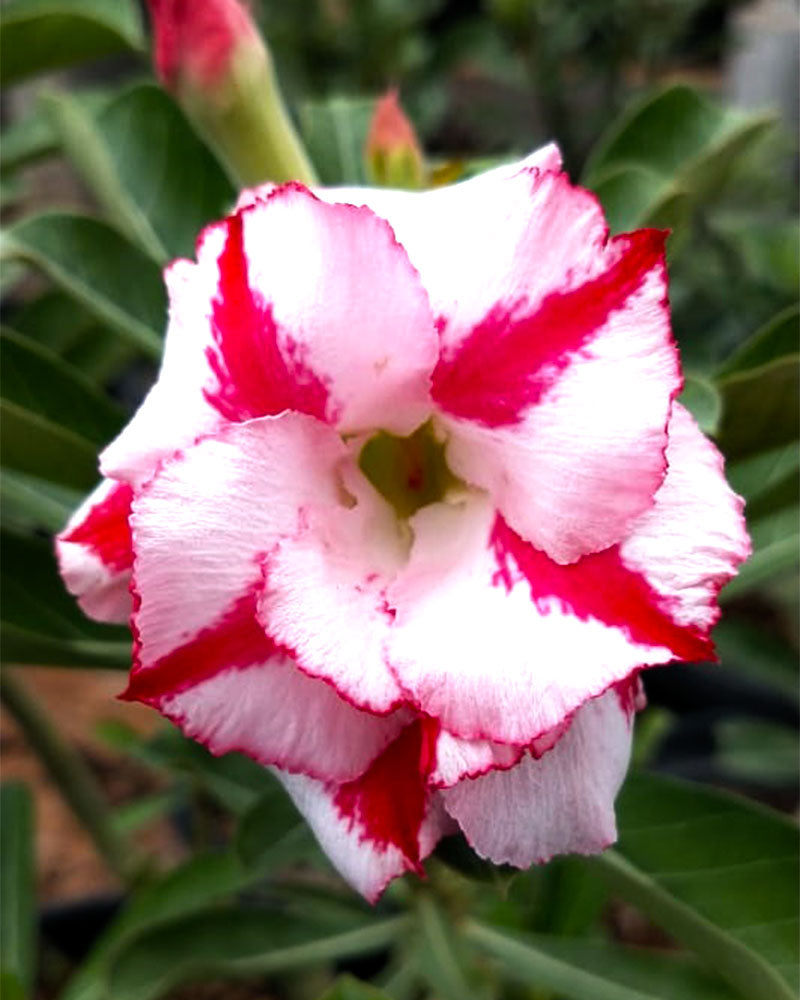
[(84, 311)]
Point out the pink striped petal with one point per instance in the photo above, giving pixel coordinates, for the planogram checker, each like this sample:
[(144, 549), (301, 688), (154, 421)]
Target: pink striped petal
[(263, 323), (95, 555), (201, 527), (175, 412), (475, 595), (562, 803), (324, 597), (383, 824), (561, 413)]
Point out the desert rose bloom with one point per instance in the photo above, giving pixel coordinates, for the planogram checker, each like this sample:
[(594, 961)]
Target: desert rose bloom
[(410, 506)]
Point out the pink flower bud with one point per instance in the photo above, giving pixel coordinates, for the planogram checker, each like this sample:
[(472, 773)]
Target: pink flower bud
[(195, 42), (393, 154)]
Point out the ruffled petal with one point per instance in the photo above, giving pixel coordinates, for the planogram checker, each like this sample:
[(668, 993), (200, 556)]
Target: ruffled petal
[(692, 541), (265, 322), (175, 412), (95, 554), (201, 528), (560, 410), (501, 643), (363, 325), (324, 596), (383, 824), (562, 803)]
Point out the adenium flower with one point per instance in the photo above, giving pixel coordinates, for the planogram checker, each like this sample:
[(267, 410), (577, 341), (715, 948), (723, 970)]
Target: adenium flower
[(409, 507)]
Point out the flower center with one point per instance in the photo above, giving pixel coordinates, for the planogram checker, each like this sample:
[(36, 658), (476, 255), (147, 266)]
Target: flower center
[(409, 472)]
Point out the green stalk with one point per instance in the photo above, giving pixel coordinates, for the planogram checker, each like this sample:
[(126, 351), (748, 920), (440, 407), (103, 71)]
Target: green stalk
[(246, 122), (70, 774)]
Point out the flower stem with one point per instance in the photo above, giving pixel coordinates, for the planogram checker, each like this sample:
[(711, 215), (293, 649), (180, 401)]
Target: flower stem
[(70, 774)]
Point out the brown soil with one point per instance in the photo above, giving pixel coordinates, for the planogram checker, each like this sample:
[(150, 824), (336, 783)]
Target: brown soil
[(67, 863)]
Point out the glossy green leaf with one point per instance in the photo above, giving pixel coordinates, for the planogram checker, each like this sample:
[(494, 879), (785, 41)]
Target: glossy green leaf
[(36, 379), (348, 988), (576, 969), (236, 943), (92, 262), (41, 622), (702, 400), (678, 133), (334, 132), (634, 196), (17, 888), (40, 35), (133, 156), (718, 873)]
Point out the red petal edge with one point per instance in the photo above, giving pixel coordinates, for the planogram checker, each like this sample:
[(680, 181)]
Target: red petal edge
[(105, 530)]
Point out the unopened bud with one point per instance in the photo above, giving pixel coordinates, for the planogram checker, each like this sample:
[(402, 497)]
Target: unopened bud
[(392, 153)]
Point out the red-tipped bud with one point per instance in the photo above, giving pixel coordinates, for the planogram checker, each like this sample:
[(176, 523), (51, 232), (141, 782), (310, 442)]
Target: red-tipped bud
[(195, 41), (392, 152), (210, 56)]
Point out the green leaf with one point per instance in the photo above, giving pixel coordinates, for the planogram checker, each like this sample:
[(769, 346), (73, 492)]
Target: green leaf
[(203, 880), (776, 339), (133, 156), (678, 133), (440, 955), (348, 988), (702, 400), (634, 196), (36, 379), (236, 943), (334, 132), (776, 551), (761, 407), (41, 622), (767, 480), (17, 889), (272, 833), (718, 873), (94, 264), (57, 321), (30, 504), (764, 753), (576, 969), (41, 35), (32, 137)]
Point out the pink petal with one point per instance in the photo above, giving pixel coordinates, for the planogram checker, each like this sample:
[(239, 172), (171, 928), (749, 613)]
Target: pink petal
[(457, 759), (692, 541), (561, 412), (201, 527), (324, 597), (175, 412), (562, 803), (95, 554), (383, 824), (499, 642), (347, 304), (293, 304)]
